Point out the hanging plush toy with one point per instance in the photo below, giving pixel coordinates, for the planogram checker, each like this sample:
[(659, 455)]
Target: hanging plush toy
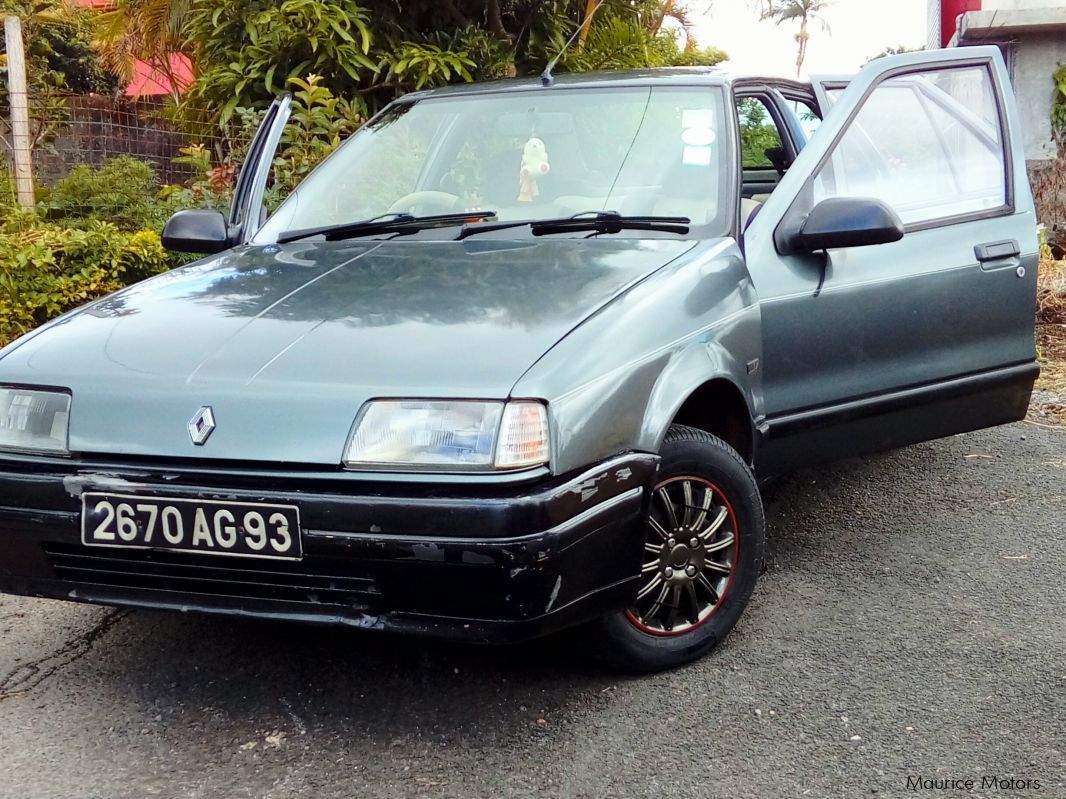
[(534, 165)]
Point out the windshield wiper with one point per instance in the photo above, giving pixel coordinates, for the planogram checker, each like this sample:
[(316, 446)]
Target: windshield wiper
[(596, 221), (386, 223)]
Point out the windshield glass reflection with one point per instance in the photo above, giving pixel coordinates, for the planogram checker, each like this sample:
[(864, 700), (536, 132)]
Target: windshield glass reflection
[(526, 155)]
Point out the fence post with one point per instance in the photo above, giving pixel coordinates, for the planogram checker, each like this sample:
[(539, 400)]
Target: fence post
[(20, 116)]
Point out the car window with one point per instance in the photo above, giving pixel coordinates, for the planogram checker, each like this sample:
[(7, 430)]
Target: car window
[(833, 92), (528, 155), (808, 119), (928, 144), (758, 132)]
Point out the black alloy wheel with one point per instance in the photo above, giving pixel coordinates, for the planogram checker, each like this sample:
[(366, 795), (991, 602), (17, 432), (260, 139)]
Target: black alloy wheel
[(702, 556)]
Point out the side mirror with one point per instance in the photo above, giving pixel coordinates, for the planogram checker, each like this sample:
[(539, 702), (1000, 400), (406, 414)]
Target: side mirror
[(845, 222), (197, 230)]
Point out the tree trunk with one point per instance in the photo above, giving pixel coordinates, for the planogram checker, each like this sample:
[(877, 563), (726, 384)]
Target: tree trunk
[(802, 55), (665, 7), (452, 10), (495, 24), (586, 23), (20, 114), (495, 19)]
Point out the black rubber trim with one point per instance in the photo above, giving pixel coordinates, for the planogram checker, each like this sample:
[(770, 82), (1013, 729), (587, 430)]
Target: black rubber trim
[(864, 407)]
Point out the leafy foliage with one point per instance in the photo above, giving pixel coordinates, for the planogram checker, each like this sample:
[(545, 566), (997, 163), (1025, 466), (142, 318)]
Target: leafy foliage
[(758, 133), (47, 270), (491, 55), (122, 191), (429, 65), (57, 36), (7, 190), (318, 124), (667, 50), (59, 60), (247, 51), (368, 51), (898, 50), (1058, 108), (615, 43)]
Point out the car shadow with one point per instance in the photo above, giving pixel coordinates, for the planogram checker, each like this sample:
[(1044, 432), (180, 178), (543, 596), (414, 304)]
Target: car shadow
[(295, 678), (267, 675)]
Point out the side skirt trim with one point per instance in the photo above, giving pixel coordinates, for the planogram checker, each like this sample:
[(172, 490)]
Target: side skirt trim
[(818, 418)]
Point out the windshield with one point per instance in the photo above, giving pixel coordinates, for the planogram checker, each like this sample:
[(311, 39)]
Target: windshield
[(526, 156)]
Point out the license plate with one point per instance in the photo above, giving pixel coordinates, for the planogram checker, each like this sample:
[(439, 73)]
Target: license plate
[(245, 529)]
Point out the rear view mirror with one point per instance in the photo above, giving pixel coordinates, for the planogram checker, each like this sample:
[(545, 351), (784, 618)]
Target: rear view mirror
[(196, 230), (844, 222)]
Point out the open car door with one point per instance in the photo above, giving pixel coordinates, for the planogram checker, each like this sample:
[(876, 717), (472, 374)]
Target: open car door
[(896, 263), (247, 213), (201, 230)]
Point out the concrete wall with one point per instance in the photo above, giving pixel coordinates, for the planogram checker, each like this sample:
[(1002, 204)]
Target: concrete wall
[(1033, 34), (1018, 5), (1035, 57)]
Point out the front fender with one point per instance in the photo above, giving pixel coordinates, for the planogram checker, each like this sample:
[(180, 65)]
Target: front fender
[(719, 358), (615, 383)]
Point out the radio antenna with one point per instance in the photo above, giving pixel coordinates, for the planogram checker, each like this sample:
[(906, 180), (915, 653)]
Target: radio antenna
[(546, 76)]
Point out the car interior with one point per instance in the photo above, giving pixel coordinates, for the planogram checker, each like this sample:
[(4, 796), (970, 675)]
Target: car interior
[(768, 146), (480, 159), (655, 177)]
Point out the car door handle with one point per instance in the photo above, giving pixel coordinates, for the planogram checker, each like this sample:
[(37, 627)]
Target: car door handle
[(998, 254)]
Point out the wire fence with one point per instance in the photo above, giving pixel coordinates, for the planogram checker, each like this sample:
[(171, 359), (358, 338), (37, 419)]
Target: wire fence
[(92, 129), (70, 131)]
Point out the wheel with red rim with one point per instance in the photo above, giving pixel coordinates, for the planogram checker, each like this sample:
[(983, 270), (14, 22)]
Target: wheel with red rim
[(701, 557), (692, 546)]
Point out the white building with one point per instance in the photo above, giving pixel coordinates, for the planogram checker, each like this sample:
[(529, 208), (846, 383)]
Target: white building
[(1032, 35)]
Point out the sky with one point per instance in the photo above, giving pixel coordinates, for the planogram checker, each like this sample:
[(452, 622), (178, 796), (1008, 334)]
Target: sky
[(859, 30)]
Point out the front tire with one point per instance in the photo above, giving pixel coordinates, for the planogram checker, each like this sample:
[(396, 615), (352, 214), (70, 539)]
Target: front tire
[(701, 559)]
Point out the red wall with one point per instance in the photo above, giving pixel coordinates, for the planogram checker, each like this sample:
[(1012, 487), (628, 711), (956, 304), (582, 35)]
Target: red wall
[(950, 11)]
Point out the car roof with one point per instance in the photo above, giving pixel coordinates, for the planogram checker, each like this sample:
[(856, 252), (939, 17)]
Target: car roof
[(668, 76)]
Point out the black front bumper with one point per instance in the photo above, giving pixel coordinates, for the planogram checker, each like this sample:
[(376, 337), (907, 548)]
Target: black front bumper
[(473, 561)]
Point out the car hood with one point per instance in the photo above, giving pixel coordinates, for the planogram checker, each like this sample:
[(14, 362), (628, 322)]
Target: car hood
[(286, 343)]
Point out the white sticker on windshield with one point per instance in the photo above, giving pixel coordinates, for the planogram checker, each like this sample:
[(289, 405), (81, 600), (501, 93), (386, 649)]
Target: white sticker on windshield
[(697, 156), (697, 118), (697, 137)]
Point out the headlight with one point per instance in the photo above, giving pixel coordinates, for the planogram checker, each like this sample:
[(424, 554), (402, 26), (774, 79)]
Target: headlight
[(443, 434), (33, 420)]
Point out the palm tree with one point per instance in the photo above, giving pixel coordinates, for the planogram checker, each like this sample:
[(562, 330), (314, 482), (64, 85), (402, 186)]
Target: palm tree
[(804, 11), (651, 14), (143, 30)]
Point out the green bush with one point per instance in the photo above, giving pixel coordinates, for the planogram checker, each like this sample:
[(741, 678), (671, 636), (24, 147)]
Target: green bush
[(7, 190), (1058, 108), (122, 191), (46, 269)]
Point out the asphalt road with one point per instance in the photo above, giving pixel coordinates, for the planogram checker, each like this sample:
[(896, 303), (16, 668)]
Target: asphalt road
[(911, 624)]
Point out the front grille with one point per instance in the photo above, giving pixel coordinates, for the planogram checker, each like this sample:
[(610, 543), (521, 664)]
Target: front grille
[(205, 576)]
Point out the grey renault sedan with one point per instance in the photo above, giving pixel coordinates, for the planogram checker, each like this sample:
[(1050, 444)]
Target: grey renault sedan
[(516, 357)]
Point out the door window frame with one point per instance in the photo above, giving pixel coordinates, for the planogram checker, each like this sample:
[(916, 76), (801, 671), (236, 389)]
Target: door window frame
[(770, 97), (981, 62), (793, 92)]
